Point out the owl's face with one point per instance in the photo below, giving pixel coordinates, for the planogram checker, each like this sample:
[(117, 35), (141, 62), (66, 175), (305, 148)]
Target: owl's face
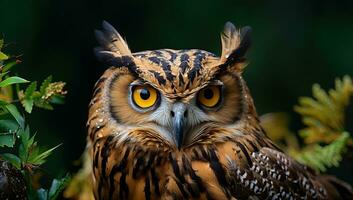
[(174, 104), (178, 95)]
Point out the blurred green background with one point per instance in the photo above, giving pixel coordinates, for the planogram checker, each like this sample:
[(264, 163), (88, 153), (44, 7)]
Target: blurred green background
[(295, 44)]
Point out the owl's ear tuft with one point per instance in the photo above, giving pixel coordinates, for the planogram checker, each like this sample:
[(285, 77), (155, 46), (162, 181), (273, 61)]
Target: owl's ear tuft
[(112, 46), (235, 44)]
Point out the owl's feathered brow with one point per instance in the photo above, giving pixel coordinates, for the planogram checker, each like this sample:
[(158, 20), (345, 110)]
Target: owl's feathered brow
[(175, 72), (231, 157)]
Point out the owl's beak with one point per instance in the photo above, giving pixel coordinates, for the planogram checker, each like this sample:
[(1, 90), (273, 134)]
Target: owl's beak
[(178, 115)]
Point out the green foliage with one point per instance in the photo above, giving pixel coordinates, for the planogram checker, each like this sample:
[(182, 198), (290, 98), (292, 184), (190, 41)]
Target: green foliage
[(56, 187), (324, 114), (11, 121), (323, 157), (324, 119), (7, 139), (2, 55), (12, 80), (48, 93), (13, 159), (20, 147), (29, 153)]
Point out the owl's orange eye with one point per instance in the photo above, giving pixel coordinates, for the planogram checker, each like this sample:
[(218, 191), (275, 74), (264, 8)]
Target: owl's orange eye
[(144, 96), (209, 96)]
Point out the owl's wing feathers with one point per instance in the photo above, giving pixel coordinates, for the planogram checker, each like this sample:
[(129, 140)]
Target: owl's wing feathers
[(274, 175), (112, 46), (344, 190)]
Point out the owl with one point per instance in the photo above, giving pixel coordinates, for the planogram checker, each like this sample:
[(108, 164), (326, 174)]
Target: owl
[(181, 124)]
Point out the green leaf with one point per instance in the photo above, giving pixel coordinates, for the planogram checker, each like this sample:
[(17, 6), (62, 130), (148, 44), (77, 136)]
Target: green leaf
[(16, 114), (45, 85), (9, 65), (8, 124), (30, 89), (22, 153), (7, 139), (31, 142), (42, 194), (34, 151), (26, 144), (3, 56), (12, 80), (322, 157), (57, 186), (27, 104), (40, 159), (12, 158), (24, 135)]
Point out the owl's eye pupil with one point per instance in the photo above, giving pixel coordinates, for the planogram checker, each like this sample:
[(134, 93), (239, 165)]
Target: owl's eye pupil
[(145, 94), (208, 93), (210, 96)]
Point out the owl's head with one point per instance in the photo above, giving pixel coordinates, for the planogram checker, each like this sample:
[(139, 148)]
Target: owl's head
[(179, 96)]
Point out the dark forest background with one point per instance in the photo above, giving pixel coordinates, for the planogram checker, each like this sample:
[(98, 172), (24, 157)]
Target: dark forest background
[(295, 44)]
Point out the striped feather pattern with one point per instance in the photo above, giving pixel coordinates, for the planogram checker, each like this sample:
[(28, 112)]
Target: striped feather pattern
[(229, 161)]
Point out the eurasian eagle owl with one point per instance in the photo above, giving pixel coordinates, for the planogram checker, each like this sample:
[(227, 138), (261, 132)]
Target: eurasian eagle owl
[(181, 124)]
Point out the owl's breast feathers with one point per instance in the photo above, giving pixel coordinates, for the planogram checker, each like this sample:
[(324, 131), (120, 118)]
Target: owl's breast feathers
[(240, 168)]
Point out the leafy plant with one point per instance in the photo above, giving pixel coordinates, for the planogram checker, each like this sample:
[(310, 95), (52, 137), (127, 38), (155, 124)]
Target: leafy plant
[(324, 119), (16, 140), (48, 93), (324, 114), (56, 187), (323, 157)]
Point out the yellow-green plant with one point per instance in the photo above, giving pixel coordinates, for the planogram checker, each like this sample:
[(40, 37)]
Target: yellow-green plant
[(324, 135)]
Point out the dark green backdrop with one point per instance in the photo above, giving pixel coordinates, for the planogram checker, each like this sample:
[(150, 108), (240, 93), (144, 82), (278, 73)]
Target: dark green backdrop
[(296, 43)]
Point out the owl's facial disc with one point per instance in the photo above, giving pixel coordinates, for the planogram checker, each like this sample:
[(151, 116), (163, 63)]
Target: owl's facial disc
[(175, 119), (179, 120)]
